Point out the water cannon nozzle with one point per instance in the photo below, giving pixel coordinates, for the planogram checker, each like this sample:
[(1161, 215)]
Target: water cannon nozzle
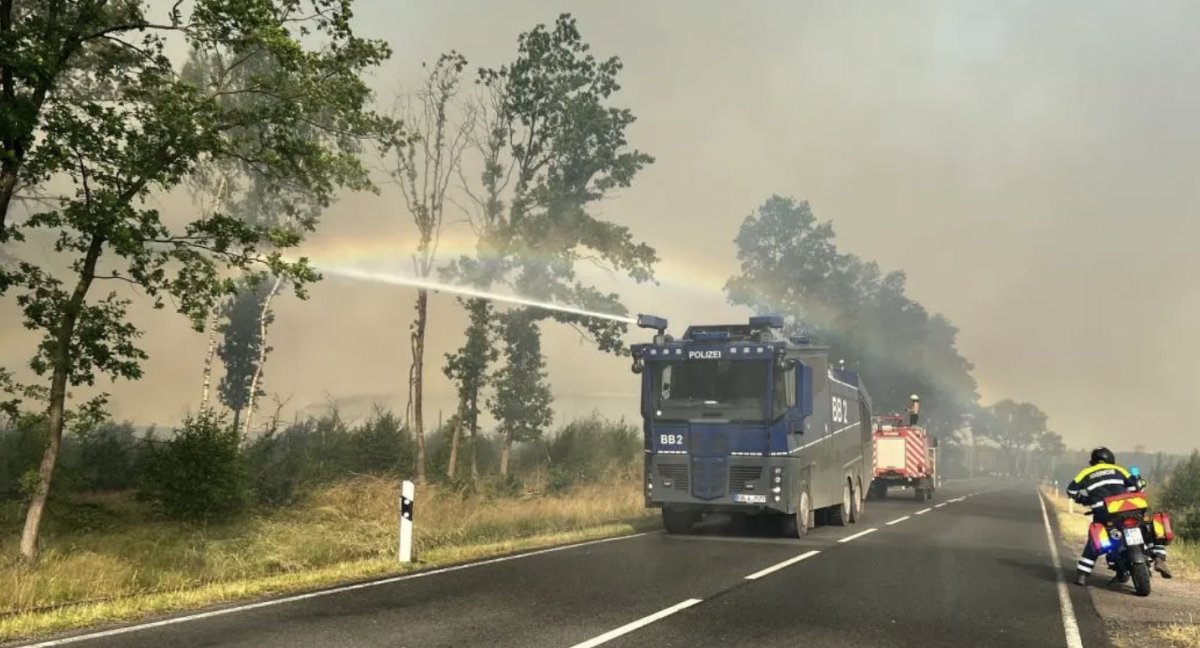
[(652, 322)]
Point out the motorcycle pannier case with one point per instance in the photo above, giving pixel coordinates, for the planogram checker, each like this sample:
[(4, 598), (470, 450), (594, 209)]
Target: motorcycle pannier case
[(1163, 533), (1099, 538)]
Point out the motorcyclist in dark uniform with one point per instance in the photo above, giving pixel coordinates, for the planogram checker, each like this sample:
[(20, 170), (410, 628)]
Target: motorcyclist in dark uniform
[(1104, 478)]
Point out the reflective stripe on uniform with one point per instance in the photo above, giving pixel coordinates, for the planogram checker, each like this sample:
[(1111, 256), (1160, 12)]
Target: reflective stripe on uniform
[(1105, 482), (1083, 567)]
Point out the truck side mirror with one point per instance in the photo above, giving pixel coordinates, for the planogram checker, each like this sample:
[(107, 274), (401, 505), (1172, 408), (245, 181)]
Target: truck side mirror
[(804, 388)]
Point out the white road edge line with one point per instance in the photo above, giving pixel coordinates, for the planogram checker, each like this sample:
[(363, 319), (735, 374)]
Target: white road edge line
[(858, 535), (923, 511), (300, 597), (939, 505), (777, 566), (630, 627), (1070, 625), (899, 520)]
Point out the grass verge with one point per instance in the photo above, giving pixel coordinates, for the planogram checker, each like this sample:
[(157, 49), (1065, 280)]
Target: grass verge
[(345, 532)]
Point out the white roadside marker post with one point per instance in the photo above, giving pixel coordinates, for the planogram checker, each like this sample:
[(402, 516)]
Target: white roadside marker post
[(406, 520)]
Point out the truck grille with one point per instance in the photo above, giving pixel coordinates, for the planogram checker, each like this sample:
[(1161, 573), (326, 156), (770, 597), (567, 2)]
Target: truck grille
[(677, 473), (710, 476), (739, 475)]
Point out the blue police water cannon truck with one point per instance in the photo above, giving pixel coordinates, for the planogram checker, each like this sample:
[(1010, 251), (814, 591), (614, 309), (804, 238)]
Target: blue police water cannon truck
[(741, 419)]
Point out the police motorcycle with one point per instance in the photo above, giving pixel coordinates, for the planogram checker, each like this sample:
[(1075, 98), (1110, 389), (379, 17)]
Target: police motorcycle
[(1125, 537)]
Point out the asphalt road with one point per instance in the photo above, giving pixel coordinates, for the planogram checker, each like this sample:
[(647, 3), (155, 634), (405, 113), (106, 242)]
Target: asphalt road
[(976, 570)]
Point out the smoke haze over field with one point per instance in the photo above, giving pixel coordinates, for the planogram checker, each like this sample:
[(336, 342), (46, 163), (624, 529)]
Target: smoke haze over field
[(1028, 164)]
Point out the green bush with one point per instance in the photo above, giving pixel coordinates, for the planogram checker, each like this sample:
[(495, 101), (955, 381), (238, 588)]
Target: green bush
[(593, 449), (22, 443), (316, 451), (199, 474), (1181, 496)]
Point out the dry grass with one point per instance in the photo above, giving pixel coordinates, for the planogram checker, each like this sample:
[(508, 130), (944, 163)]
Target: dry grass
[(1183, 635), (343, 532)]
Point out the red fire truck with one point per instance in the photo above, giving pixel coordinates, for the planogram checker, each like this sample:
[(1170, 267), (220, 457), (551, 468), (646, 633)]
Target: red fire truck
[(904, 455)]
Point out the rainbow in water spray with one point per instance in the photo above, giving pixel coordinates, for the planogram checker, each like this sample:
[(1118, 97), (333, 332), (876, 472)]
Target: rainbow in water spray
[(401, 280)]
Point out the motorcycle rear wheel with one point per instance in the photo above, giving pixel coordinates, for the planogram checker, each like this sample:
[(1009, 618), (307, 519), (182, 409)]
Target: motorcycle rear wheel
[(1141, 578)]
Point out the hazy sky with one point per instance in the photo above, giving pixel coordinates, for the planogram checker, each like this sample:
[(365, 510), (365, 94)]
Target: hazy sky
[(1029, 165)]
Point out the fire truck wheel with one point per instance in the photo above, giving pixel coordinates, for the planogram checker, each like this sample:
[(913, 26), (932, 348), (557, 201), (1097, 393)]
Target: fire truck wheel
[(856, 510), (879, 490), (919, 494)]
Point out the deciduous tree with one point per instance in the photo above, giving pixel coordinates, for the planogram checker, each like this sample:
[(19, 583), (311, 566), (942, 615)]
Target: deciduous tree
[(91, 97), (424, 168)]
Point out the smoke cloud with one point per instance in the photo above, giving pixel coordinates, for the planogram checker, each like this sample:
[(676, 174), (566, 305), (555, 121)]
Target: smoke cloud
[(1029, 165)]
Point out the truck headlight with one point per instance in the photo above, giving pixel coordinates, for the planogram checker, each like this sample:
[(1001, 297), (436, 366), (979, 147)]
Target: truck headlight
[(778, 479), (776, 498), (777, 490)]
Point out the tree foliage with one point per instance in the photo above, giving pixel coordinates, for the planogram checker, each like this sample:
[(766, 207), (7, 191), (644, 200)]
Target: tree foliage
[(1014, 427), (199, 474), (1181, 496), (550, 147), (91, 98), (241, 346), (790, 264), (521, 403)]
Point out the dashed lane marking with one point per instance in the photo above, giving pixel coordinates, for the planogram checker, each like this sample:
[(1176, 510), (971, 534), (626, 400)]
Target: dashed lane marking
[(858, 535), (776, 567), (630, 627)]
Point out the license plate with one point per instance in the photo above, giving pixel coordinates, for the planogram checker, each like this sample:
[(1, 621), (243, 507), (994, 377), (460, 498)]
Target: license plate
[(1133, 536), (750, 499)]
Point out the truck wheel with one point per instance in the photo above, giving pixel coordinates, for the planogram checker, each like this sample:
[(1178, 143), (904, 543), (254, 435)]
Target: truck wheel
[(856, 499), (839, 514), (797, 524), (919, 494), (677, 521), (880, 490)]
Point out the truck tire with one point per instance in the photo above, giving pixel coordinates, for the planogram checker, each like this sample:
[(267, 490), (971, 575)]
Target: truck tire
[(677, 521), (919, 494), (797, 525), (839, 514), (856, 512), (879, 490)]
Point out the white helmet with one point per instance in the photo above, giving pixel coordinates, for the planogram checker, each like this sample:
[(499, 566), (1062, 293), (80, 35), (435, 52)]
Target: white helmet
[(915, 397)]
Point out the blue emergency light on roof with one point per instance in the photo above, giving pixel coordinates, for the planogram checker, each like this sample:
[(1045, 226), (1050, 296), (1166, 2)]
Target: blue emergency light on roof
[(772, 321), (652, 322)]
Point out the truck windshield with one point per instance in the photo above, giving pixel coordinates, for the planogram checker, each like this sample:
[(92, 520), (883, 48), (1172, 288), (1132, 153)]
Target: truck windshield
[(734, 390)]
